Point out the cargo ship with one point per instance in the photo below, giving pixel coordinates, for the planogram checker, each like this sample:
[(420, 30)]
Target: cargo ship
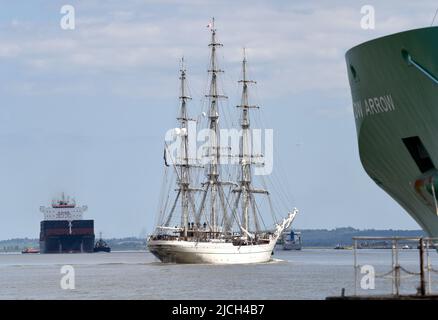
[(394, 87), (64, 230)]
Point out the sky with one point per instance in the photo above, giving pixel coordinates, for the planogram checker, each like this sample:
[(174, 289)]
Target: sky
[(85, 111)]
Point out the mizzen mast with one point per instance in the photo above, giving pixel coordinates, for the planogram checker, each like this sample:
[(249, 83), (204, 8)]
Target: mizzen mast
[(245, 190)]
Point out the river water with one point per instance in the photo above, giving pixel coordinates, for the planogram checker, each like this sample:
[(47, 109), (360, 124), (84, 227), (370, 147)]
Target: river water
[(306, 274)]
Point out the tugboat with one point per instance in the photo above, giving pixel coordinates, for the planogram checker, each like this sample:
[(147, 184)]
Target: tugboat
[(101, 246), (30, 250), (342, 247)]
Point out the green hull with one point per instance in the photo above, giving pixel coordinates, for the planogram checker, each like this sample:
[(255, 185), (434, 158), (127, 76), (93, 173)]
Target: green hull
[(394, 86)]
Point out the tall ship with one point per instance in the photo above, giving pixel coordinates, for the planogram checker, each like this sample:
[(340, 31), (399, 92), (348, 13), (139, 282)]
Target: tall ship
[(394, 87), (214, 216), (64, 230)]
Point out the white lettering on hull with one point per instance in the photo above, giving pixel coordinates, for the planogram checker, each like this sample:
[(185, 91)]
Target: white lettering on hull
[(373, 105)]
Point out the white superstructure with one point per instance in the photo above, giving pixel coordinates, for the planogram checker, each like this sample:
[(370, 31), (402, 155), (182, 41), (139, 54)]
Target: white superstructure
[(63, 208)]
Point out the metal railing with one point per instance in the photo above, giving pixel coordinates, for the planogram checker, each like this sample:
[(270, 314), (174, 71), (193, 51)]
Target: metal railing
[(424, 245)]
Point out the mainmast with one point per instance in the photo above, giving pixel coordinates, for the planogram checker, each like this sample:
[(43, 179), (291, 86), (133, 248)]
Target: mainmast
[(213, 184)]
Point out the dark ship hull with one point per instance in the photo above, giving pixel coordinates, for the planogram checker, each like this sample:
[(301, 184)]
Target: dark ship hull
[(63, 236)]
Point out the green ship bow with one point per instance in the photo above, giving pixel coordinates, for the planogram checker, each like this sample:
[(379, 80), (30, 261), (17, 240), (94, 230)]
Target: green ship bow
[(394, 87)]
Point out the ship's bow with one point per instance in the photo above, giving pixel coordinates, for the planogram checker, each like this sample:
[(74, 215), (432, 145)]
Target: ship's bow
[(394, 87)]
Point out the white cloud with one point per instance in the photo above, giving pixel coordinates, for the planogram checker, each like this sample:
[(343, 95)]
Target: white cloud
[(8, 50), (291, 47)]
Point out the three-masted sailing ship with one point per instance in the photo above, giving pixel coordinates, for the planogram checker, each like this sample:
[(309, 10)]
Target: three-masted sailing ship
[(217, 220)]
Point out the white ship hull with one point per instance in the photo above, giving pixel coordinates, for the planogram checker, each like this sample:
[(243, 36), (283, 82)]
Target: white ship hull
[(210, 252)]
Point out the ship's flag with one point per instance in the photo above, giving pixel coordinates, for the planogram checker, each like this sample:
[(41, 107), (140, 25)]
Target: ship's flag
[(165, 157)]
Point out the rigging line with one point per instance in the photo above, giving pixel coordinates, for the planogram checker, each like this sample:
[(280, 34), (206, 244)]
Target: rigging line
[(265, 206), (255, 212), (173, 209), (232, 196), (225, 219), (225, 106), (168, 197), (433, 20), (256, 208), (199, 176), (281, 190), (281, 187), (234, 211), (282, 184), (165, 207), (193, 206), (204, 214), (202, 204), (173, 162), (161, 208), (272, 208), (279, 195), (274, 216)]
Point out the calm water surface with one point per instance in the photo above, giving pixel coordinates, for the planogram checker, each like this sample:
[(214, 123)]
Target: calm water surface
[(306, 274)]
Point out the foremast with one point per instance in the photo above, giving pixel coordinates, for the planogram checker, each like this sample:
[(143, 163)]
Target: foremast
[(184, 164)]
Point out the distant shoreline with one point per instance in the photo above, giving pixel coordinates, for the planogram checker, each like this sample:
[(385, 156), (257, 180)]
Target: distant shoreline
[(312, 238)]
